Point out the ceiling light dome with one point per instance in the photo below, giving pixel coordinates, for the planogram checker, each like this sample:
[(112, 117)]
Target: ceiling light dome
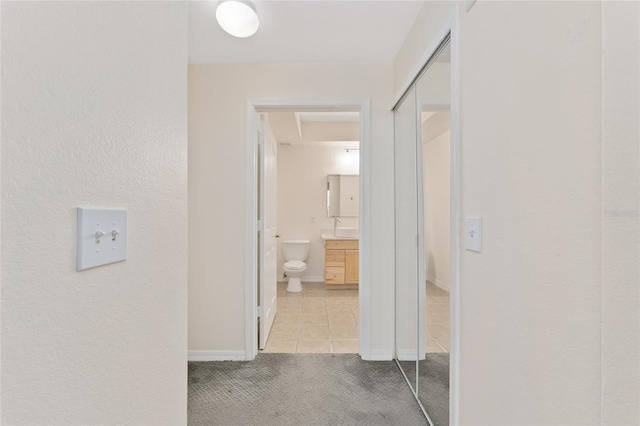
[(238, 18)]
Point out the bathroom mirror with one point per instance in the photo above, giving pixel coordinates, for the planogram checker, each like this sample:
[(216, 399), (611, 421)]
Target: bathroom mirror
[(343, 195)]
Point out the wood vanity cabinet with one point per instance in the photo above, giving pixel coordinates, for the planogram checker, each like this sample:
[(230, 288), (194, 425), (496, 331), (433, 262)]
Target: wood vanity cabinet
[(341, 264)]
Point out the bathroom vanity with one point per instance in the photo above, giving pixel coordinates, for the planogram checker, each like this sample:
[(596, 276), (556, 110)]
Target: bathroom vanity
[(341, 268), (341, 244)]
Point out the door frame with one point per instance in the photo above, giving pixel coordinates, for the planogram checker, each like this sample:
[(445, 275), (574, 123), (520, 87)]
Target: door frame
[(253, 107)]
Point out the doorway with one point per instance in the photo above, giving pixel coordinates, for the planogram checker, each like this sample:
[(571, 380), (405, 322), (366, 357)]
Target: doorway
[(316, 207), (314, 283)]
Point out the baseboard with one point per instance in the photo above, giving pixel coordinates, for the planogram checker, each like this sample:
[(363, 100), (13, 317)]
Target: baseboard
[(380, 355), (307, 279), (409, 355), (438, 283), (216, 356)]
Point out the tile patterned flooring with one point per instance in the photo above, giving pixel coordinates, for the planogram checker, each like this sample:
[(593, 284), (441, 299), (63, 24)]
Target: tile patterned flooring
[(315, 321), (326, 321)]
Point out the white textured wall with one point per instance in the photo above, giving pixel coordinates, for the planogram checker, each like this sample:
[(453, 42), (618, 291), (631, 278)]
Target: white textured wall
[(94, 113), (621, 208), (437, 209), (302, 197), (530, 302), (217, 97)]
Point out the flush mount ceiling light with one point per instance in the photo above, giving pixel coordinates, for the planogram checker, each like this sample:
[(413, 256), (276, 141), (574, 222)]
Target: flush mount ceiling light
[(238, 18)]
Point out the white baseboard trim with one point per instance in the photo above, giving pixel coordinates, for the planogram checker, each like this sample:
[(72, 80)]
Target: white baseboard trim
[(438, 283), (307, 279), (380, 355), (216, 356), (409, 355)]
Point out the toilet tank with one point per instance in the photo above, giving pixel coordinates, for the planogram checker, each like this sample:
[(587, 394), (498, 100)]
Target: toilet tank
[(295, 249)]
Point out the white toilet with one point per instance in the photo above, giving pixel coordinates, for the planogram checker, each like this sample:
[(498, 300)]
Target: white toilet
[(295, 252)]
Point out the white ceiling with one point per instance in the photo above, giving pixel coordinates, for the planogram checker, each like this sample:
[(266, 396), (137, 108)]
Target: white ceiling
[(316, 128), (305, 31)]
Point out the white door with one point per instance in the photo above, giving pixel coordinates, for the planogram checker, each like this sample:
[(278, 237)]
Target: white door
[(267, 230)]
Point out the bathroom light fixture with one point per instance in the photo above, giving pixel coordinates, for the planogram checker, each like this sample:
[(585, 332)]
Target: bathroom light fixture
[(237, 17)]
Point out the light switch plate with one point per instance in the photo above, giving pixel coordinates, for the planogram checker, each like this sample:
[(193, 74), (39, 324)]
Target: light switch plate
[(98, 244), (473, 234)]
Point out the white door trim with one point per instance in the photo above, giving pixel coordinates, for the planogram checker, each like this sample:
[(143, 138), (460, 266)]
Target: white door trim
[(253, 106)]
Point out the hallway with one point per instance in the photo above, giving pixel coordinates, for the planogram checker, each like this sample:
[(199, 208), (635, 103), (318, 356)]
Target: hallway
[(147, 107), (300, 389)]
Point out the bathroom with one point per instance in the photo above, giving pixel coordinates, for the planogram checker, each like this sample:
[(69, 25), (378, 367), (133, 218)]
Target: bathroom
[(318, 162)]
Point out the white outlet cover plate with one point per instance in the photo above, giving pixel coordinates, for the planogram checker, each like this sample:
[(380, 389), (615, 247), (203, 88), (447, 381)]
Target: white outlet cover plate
[(90, 253), (473, 234)]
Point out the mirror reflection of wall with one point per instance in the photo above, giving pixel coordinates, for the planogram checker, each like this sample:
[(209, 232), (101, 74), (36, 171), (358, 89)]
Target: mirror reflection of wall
[(343, 195), (436, 137)]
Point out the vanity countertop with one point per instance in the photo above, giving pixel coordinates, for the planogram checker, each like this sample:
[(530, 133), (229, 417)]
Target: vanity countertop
[(329, 235)]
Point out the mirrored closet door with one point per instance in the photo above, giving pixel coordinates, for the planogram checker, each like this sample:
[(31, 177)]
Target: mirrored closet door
[(406, 228), (423, 232)]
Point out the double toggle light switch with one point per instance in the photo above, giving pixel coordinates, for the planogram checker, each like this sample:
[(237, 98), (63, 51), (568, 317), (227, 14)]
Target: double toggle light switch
[(100, 234), (102, 237)]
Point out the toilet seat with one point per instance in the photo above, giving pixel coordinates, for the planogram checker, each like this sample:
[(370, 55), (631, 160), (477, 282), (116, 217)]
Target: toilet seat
[(294, 264)]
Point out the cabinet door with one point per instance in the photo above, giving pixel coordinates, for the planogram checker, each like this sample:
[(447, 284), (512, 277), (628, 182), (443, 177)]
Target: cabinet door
[(334, 275), (351, 268)]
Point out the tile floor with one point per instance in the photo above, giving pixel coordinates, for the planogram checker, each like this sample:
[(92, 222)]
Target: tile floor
[(326, 321), (315, 321), (437, 319)]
